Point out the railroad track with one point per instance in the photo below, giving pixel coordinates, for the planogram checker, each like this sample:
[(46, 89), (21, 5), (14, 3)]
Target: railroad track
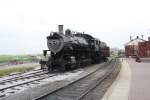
[(19, 75), (78, 89), (15, 79), (14, 74), (14, 84)]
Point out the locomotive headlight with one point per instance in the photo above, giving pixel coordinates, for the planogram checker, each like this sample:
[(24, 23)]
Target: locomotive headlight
[(55, 45)]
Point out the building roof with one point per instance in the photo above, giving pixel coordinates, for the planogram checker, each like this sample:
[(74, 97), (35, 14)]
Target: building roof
[(135, 41)]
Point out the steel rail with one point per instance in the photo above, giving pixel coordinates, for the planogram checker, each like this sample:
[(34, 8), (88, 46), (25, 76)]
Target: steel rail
[(100, 80), (19, 76), (46, 94), (41, 78), (22, 77)]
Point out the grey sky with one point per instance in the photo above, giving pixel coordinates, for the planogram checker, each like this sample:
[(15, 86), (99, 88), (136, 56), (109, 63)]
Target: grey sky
[(24, 24)]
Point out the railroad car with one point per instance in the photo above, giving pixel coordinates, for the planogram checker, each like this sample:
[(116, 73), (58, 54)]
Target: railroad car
[(105, 52), (71, 50)]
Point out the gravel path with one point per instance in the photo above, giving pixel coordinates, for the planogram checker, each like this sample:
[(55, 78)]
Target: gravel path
[(140, 79)]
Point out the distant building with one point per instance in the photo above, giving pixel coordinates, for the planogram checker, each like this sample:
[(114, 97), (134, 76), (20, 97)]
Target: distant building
[(137, 47)]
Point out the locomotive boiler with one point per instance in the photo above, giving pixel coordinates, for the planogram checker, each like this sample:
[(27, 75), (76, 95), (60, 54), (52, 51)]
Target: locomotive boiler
[(71, 50)]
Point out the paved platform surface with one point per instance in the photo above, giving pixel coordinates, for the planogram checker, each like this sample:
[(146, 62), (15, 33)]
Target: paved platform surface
[(132, 83), (140, 80)]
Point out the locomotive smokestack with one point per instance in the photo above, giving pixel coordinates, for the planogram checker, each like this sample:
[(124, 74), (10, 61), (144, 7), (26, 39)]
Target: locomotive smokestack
[(60, 29)]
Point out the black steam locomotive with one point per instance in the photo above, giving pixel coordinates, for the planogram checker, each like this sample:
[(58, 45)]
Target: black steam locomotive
[(72, 50)]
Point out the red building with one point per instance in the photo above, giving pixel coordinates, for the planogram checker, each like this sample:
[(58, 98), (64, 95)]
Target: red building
[(132, 47), (144, 48), (137, 47)]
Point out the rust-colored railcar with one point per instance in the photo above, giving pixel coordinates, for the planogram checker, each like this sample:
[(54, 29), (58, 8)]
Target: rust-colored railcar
[(105, 52)]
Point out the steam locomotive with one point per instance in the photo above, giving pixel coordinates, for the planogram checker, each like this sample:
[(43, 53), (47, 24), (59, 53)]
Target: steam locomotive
[(71, 50)]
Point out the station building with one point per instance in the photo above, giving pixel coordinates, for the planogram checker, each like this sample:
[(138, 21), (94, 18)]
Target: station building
[(137, 47)]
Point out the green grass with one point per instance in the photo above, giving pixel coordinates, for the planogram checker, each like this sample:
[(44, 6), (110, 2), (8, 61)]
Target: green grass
[(6, 58), (7, 71)]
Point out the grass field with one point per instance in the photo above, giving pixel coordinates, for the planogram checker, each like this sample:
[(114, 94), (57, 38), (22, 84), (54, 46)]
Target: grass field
[(17, 68), (12, 70), (6, 58)]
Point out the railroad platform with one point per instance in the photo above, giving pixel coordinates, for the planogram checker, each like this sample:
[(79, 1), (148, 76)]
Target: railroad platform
[(132, 83)]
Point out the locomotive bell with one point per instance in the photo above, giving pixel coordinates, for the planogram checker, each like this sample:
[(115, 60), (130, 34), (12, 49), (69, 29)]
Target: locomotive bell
[(68, 32)]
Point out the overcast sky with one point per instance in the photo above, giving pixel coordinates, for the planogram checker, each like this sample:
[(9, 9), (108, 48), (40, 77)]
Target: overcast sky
[(24, 24)]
